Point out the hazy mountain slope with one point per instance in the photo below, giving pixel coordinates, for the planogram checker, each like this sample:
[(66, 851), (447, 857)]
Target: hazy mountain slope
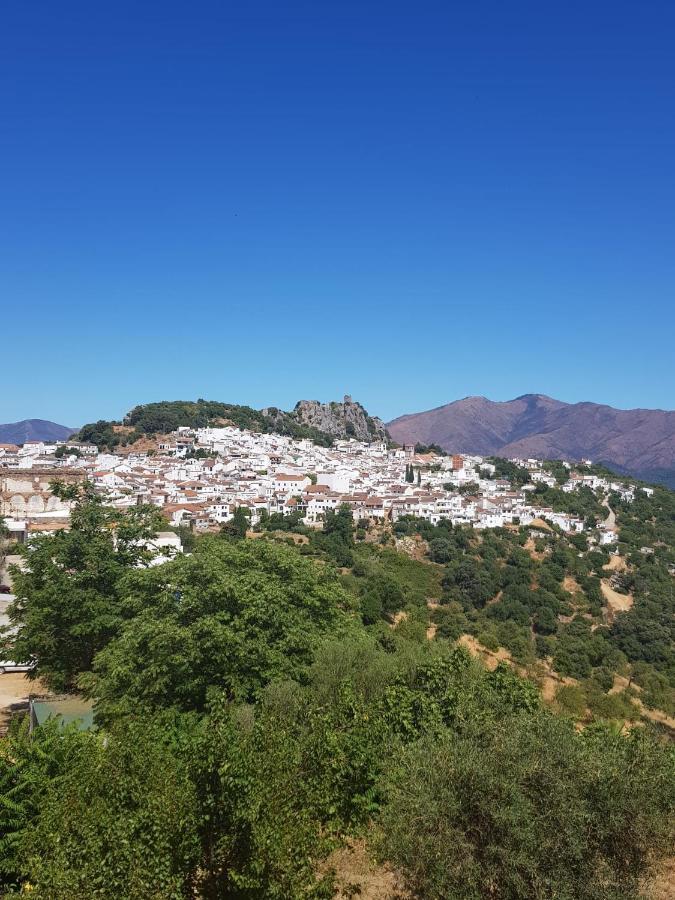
[(33, 430), (639, 441)]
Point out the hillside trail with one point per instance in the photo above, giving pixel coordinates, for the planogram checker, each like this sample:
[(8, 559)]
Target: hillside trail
[(610, 521)]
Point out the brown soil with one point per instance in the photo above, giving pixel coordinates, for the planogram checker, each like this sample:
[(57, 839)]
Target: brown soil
[(550, 684), (653, 715), (548, 680), (571, 585), (620, 684), (662, 885), (413, 546), (379, 530), (431, 631), (397, 618), (540, 525), (358, 875), (616, 602), (15, 687), (490, 658), (616, 564), (143, 444), (530, 547)]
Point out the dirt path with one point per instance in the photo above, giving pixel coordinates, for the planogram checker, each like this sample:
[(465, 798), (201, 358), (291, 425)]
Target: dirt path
[(610, 521)]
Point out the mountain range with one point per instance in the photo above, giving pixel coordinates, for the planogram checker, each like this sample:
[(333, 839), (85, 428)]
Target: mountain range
[(34, 430), (638, 442)]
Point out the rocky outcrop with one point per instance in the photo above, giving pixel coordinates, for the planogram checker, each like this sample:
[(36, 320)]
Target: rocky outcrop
[(340, 420)]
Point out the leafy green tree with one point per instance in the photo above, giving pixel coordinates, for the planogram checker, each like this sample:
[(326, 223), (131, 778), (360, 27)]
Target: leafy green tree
[(558, 469), (122, 821), (68, 593), (64, 450), (337, 537), (227, 619), (28, 766), (238, 524), (546, 621), (504, 468), (341, 523), (260, 818), (440, 550)]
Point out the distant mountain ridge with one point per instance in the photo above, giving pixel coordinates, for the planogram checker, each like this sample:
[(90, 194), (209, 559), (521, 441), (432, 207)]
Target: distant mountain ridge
[(34, 430), (638, 442)]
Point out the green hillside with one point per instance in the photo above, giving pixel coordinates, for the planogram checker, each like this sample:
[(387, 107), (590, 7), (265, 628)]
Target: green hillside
[(167, 415)]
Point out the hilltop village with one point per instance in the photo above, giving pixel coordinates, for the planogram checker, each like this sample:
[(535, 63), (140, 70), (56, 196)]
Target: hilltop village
[(199, 477)]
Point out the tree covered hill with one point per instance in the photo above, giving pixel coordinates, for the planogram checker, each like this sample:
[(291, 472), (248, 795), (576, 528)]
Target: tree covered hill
[(321, 423), (260, 704)]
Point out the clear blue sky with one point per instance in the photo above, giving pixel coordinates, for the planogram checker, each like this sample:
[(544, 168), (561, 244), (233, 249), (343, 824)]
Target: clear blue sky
[(261, 202)]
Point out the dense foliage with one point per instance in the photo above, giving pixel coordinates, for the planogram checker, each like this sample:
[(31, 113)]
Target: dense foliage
[(227, 619), (68, 603), (539, 594), (256, 706), (168, 415)]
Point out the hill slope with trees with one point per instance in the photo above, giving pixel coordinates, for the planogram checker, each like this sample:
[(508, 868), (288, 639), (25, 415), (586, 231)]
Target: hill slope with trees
[(321, 423), (261, 703)]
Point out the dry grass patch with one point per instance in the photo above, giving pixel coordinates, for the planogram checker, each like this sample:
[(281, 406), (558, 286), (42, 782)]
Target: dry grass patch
[(616, 564), (397, 618), (357, 875), (662, 885), (616, 602), (489, 658)]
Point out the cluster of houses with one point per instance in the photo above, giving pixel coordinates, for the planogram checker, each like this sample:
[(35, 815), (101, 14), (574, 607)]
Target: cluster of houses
[(199, 477)]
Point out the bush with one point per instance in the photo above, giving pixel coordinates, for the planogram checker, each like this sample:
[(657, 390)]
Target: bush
[(120, 822), (548, 817), (571, 699)]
